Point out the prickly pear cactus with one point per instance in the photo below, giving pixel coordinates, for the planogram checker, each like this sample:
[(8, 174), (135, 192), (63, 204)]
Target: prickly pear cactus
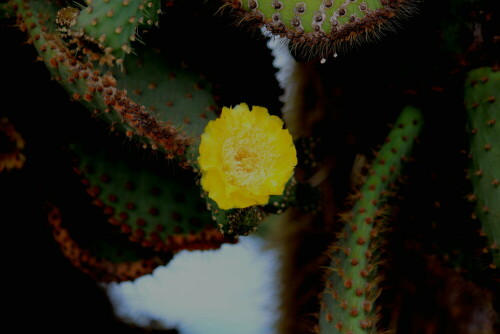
[(348, 302), (110, 26), (320, 28), (167, 125), (483, 110), (160, 211), (107, 256)]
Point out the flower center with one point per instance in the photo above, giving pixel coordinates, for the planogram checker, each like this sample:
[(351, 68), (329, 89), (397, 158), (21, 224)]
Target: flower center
[(246, 155)]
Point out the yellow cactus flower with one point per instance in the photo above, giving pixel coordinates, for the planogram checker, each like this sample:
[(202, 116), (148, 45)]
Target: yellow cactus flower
[(245, 156)]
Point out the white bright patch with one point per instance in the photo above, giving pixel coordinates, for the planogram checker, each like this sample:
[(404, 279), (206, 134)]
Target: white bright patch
[(231, 290)]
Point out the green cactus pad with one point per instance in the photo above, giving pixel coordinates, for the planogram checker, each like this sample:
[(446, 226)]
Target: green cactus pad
[(327, 23), (101, 253), (111, 25), (171, 93), (160, 209), (482, 100), (174, 94), (347, 304)]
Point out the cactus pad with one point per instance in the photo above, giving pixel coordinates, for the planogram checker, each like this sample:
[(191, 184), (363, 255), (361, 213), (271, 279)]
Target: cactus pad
[(351, 280), (170, 91), (144, 114), (110, 25), (159, 209), (327, 23), (101, 253), (482, 100)]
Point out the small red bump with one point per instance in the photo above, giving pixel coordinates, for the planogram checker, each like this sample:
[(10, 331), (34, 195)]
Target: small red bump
[(139, 233), (360, 241), (123, 216), (113, 198), (155, 236), (141, 222), (367, 306), (125, 228), (108, 210), (471, 197), (354, 312), (146, 243), (365, 324), (339, 326), (359, 292), (348, 283), (98, 202), (368, 220), (354, 262)]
